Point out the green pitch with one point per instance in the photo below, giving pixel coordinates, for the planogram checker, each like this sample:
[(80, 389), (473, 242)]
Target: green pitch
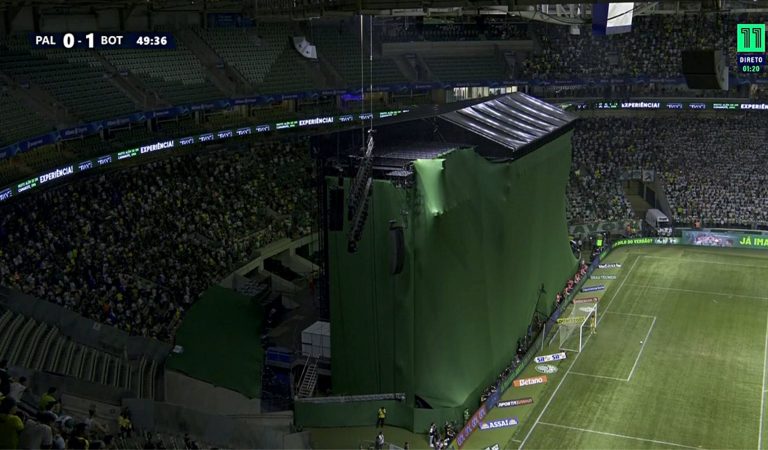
[(678, 361)]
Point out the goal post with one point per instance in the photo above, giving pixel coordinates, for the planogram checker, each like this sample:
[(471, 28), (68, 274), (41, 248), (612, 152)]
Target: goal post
[(575, 330)]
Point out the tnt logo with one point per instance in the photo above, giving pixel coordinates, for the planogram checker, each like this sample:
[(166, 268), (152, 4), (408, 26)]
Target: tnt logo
[(750, 38)]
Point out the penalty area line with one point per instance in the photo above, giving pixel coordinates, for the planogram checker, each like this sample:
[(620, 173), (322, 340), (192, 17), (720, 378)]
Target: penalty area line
[(623, 436), (598, 376), (645, 341), (630, 314), (691, 291)]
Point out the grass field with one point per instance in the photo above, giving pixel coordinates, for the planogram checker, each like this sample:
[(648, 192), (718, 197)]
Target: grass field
[(678, 360)]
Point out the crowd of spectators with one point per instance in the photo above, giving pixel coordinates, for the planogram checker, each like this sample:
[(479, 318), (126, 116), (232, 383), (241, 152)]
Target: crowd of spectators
[(135, 247), (653, 49), (710, 167), (601, 152), (29, 422)]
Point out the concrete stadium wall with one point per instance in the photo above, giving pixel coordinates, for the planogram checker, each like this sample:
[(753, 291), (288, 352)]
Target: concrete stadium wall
[(360, 414), (209, 428), (81, 330), (188, 392)]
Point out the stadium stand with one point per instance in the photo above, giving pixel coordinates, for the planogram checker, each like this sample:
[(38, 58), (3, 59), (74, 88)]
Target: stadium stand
[(594, 189), (250, 51), (38, 346), (287, 74), (336, 42), (131, 250), (406, 29), (474, 68), (656, 52), (75, 78), (176, 75), (708, 175), (18, 121)]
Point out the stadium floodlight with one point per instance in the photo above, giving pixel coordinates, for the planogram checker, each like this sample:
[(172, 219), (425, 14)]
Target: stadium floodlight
[(575, 330)]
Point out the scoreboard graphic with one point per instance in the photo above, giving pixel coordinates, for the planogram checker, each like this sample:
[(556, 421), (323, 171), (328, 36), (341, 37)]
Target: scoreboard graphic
[(750, 47)]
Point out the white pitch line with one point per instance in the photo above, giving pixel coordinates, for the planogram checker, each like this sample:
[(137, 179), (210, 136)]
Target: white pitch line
[(585, 430), (762, 394), (645, 341), (723, 294), (631, 314), (598, 376), (703, 261), (621, 285)]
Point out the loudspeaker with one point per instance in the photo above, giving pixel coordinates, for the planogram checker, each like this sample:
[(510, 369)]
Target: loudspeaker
[(705, 69), (304, 48), (336, 210), (396, 248)]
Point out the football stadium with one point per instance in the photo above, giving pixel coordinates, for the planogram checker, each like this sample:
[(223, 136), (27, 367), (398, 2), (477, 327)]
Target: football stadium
[(379, 224)]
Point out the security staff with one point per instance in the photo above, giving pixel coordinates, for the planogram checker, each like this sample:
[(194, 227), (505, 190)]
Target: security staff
[(382, 414)]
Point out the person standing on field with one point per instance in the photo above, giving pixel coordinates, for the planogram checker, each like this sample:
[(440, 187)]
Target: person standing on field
[(380, 417)]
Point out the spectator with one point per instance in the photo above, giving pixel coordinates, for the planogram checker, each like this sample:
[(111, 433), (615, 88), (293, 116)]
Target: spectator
[(10, 424), (38, 434), (172, 228), (48, 400), (79, 438), (124, 423), (5, 378), (189, 443), (93, 427), (720, 189), (17, 389)]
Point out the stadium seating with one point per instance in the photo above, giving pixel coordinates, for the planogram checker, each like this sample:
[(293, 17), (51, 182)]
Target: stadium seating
[(175, 226), (176, 75), (289, 73), (654, 52), (37, 346), (75, 78), (342, 48), (405, 29), (18, 121), (472, 68), (251, 52), (707, 174)]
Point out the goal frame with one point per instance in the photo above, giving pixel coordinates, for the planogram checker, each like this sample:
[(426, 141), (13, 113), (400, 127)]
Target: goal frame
[(585, 329)]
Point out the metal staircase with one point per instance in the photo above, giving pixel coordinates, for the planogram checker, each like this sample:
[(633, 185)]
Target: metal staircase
[(308, 378)]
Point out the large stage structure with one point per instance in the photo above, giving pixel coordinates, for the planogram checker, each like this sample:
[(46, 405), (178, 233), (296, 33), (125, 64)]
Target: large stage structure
[(445, 237)]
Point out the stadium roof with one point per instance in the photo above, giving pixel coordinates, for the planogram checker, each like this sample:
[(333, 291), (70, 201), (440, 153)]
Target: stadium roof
[(316, 8)]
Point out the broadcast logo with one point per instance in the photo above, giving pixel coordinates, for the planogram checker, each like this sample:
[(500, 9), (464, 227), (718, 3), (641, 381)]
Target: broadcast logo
[(750, 46), (750, 38)]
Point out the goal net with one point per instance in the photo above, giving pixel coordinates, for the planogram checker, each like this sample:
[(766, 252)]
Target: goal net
[(574, 330)]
